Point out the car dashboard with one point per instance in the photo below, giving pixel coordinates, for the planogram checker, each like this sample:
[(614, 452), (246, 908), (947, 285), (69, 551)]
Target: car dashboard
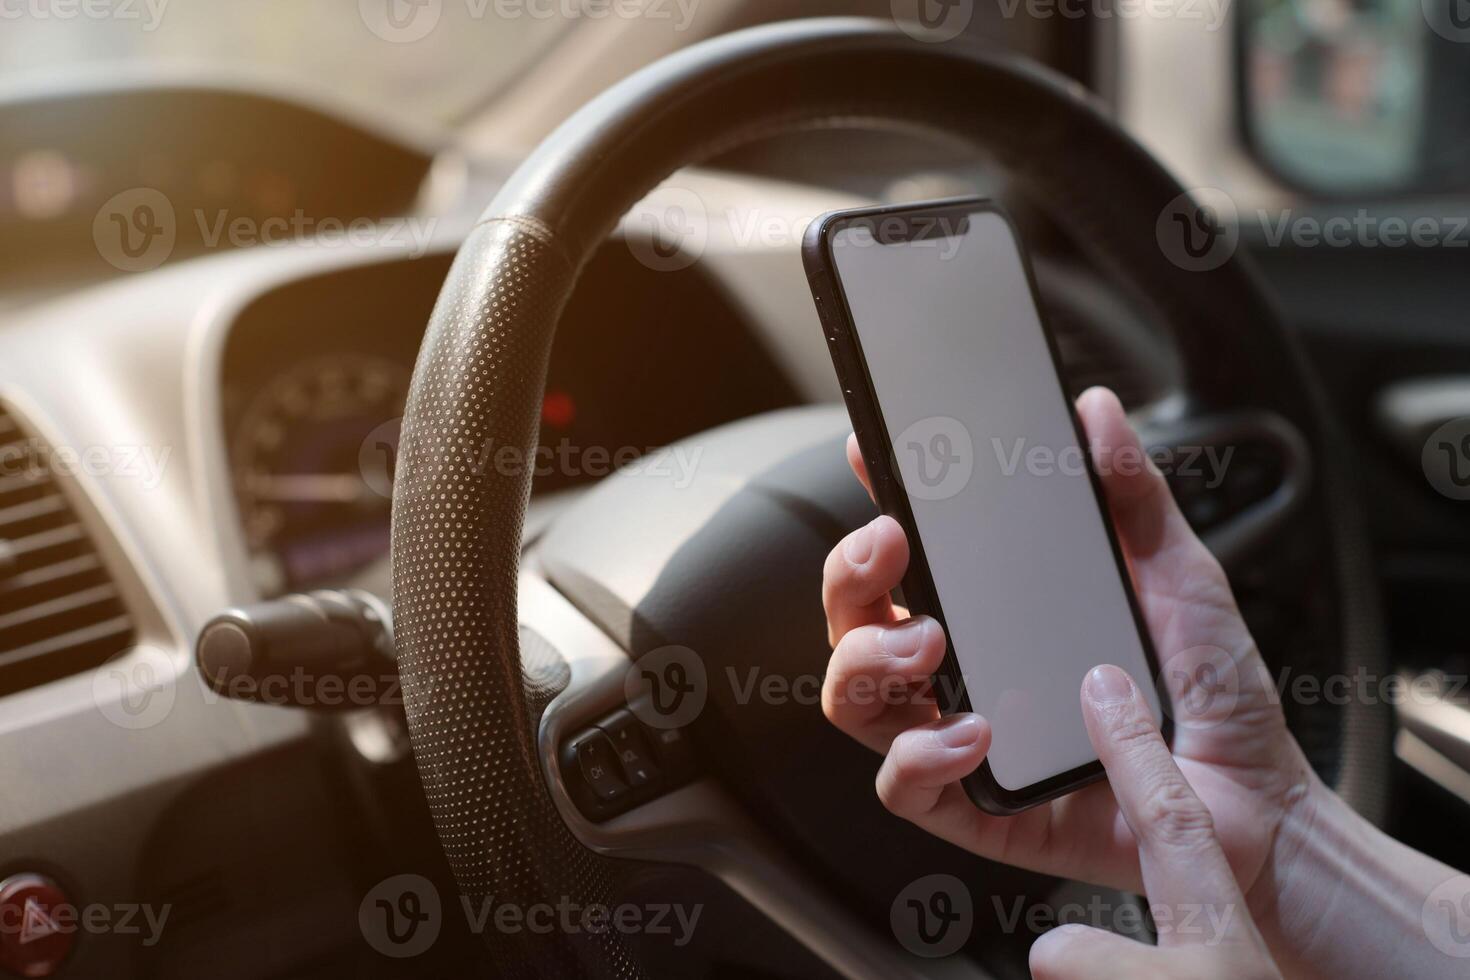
[(315, 374), (264, 384)]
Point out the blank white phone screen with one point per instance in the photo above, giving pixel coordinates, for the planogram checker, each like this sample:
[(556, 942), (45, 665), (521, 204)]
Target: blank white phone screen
[(983, 441)]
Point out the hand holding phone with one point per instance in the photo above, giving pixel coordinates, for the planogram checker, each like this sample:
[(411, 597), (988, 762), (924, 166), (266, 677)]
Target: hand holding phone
[(1235, 751), (962, 418)]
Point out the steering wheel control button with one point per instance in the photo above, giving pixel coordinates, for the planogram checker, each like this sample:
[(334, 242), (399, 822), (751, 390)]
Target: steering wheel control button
[(35, 937), (634, 755), (598, 761), (622, 762), (675, 753)]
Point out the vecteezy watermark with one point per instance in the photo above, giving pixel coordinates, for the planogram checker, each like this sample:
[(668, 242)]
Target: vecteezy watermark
[(569, 917), (1213, 13), (377, 459), (1365, 687), (35, 459), (673, 226), (407, 21), (1200, 230), (936, 457), (667, 687), (220, 227), (1205, 686), (933, 916), (932, 20), (1209, 685), (1207, 463), (148, 13), (401, 21), (302, 688), (137, 688), (941, 233), (670, 686), (402, 917), (1202, 923), (1446, 917), (30, 922), (1450, 19), (137, 230), (668, 230), (1446, 459), (1364, 229), (565, 458)]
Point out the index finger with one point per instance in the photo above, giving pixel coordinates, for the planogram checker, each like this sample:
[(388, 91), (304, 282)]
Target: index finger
[(1184, 868)]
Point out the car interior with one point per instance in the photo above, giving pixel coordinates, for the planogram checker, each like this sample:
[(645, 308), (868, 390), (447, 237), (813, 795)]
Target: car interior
[(391, 391)]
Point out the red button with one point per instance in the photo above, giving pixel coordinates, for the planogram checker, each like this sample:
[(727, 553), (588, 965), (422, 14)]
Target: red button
[(36, 925)]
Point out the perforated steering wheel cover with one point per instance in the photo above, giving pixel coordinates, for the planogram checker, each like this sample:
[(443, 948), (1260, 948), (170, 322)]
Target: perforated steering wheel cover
[(481, 373)]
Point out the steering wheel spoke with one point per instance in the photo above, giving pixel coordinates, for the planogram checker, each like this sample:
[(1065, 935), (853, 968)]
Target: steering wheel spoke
[(1239, 476), (697, 824)]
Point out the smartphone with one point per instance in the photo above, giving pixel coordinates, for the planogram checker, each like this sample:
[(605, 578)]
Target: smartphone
[(956, 394)]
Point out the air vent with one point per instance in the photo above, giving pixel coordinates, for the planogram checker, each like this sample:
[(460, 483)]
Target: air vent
[(60, 612)]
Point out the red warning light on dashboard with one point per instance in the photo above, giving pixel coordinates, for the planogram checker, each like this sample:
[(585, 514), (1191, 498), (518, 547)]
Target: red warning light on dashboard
[(37, 925), (557, 409)]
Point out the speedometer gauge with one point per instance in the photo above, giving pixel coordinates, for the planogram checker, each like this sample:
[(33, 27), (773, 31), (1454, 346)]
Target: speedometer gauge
[(312, 464)]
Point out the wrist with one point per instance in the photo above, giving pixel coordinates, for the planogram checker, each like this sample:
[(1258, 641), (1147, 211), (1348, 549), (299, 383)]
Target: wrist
[(1338, 894), (1303, 868)]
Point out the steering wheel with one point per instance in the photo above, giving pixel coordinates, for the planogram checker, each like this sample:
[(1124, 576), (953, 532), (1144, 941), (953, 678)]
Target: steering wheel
[(501, 664)]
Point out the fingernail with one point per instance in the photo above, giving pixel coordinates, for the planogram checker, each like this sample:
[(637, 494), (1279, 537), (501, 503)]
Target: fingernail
[(963, 731), (1108, 685), (859, 545), (903, 642)]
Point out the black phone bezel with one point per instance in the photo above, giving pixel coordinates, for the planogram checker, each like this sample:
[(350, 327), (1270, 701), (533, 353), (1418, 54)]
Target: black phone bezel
[(874, 443)]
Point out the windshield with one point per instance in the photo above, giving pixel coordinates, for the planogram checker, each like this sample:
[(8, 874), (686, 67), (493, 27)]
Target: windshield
[(434, 58)]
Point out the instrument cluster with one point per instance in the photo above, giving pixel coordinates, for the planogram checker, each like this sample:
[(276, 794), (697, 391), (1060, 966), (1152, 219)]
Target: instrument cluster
[(317, 372)]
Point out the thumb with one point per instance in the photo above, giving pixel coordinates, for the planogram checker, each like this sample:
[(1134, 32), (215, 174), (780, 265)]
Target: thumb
[(1073, 951), (1148, 520)]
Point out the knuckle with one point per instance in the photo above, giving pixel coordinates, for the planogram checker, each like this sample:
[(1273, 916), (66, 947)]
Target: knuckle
[(1173, 816), (836, 575), (835, 699), (850, 656), (904, 770), (860, 678), (889, 794), (831, 709), (1207, 579), (835, 565), (898, 774), (1132, 731)]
